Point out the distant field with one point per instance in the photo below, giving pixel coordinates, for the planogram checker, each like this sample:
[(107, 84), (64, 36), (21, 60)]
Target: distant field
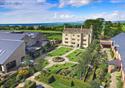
[(60, 51), (43, 31), (51, 35)]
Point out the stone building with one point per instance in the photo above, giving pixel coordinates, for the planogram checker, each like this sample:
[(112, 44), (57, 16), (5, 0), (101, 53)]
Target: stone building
[(11, 53), (13, 46), (77, 37)]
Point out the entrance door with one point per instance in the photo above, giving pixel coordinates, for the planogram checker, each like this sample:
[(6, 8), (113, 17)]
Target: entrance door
[(77, 45)]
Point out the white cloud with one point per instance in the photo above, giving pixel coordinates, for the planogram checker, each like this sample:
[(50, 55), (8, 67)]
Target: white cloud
[(31, 11), (76, 3), (113, 16)]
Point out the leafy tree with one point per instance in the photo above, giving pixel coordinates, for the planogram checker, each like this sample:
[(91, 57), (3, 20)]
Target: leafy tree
[(97, 26), (72, 84)]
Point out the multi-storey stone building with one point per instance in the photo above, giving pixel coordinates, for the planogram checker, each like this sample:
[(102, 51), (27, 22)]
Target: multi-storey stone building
[(77, 37)]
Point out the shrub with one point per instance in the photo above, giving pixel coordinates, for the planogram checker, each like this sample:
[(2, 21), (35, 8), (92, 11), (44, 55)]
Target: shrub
[(23, 72), (72, 84), (51, 79)]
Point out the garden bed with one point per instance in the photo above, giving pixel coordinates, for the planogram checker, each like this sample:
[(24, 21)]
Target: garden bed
[(74, 56), (57, 68)]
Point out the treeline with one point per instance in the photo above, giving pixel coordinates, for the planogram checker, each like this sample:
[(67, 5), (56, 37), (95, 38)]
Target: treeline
[(102, 28), (55, 28)]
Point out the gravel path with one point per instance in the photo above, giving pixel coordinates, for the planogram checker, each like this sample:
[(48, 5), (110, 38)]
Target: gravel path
[(113, 74)]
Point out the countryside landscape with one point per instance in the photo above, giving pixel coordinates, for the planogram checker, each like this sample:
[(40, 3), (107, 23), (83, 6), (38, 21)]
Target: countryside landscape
[(66, 51)]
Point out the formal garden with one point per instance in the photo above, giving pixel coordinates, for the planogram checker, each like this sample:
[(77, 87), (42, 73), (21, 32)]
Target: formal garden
[(60, 51), (74, 56)]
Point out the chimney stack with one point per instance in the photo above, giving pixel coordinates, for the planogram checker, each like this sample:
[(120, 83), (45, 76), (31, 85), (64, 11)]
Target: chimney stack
[(81, 27), (64, 27)]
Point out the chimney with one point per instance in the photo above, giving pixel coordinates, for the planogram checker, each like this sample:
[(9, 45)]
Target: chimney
[(91, 28), (64, 27), (81, 27)]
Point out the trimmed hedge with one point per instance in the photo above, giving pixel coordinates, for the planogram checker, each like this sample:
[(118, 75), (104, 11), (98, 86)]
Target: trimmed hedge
[(62, 80)]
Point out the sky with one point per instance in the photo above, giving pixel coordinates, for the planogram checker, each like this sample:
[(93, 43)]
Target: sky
[(45, 11)]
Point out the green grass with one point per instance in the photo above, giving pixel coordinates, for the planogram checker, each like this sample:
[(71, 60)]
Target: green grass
[(74, 56), (60, 51), (56, 68)]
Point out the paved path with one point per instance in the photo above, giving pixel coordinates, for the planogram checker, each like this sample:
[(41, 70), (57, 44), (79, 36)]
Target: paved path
[(113, 80), (113, 74), (32, 78), (52, 63)]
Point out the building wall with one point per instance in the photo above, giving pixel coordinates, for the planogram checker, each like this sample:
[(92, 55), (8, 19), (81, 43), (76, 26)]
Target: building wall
[(17, 55), (76, 40)]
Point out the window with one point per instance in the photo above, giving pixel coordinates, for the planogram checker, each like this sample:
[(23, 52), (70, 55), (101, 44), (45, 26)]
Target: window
[(11, 65), (78, 40), (66, 42), (22, 59), (78, 35), (84, 44), (73, 39), (66, 34), (84, 39), (73, 42), (66, 38)]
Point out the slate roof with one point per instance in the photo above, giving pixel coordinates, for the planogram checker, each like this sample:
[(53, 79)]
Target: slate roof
[(76, 30), (11, 36), (119, 40), (7, 48)]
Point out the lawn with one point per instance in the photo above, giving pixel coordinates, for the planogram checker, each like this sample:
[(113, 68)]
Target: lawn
[(60, 51), (74, 56), (57, 68)]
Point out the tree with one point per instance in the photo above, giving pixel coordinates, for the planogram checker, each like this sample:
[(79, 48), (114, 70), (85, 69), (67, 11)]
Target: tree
[(72, 84), (97, 26), (86, 58)]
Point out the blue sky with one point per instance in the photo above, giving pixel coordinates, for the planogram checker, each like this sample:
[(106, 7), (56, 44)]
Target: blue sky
[(44, 11)]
